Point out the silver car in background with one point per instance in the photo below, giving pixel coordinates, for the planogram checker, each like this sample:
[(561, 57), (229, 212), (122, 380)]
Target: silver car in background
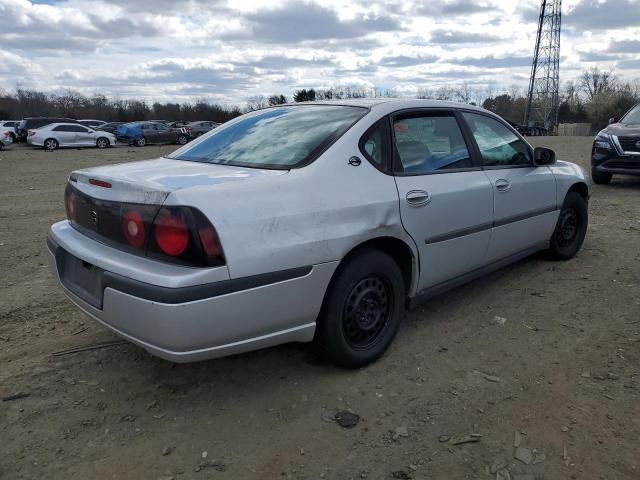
[(6, 136), (56, 135), (310, 222)]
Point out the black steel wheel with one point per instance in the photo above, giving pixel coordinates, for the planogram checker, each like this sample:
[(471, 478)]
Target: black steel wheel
[(362, 309), (571, 227), (367, 310)]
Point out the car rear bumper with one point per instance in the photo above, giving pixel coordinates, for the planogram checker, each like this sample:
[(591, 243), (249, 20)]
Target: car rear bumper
[(228, 320)]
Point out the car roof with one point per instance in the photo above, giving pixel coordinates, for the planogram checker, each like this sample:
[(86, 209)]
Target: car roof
[(57, 124), (391, 104)]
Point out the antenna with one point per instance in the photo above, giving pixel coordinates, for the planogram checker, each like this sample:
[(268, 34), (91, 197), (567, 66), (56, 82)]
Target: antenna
[(544, 85)]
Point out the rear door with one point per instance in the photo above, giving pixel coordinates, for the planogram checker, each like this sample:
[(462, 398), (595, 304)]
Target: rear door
[(64, 134), (525, 208), (165, 134), (446, 200)]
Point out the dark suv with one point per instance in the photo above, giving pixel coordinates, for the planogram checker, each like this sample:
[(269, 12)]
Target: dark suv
[(32, 123), (616, 149)]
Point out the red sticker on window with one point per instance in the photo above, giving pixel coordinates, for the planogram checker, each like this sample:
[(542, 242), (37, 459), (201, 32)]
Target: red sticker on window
[(401, 127)]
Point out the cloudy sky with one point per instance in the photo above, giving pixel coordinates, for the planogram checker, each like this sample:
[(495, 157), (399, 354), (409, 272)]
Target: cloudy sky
[(227, 51)]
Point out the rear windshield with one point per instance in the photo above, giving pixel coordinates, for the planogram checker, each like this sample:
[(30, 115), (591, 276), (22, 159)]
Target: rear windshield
[(279, 137), (633, 116)]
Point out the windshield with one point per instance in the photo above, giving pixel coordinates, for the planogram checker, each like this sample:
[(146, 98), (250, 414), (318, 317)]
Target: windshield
[(633, 116), (280, 137)]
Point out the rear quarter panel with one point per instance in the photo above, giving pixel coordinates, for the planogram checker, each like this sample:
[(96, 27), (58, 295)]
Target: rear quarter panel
[(311, 215)]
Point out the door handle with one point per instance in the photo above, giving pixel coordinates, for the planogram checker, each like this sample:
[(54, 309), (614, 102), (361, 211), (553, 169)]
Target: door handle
[(417, 198), (503, 185)]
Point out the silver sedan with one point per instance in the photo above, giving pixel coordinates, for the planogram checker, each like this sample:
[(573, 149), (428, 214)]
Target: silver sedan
[(57, 135), (310, 222)]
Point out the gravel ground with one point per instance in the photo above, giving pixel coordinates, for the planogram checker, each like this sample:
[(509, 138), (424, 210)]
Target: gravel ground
[(548, 350)]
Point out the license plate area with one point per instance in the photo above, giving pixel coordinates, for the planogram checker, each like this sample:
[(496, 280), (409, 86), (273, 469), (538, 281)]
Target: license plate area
[(82, 278)]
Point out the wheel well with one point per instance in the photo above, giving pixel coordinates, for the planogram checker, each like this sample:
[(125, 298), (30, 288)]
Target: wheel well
[(581, 189), (396, 249)]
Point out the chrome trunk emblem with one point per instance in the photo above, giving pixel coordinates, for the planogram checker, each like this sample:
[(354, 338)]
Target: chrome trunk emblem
[(93, 218)]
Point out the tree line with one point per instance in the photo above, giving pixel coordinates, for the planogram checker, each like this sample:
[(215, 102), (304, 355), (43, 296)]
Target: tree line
[(594, 97), (31, 103)]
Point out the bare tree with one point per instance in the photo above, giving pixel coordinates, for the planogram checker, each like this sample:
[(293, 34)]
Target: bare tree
[(596, 81), (257, 102)]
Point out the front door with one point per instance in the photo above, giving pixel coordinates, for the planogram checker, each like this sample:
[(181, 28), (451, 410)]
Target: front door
[(525, 209), (446, 200)]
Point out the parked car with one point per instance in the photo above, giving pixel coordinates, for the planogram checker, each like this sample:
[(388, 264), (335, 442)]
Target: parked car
[(199, 128), (56, 135), (10, 126), (110, 127), (6, 137), (616, 149), (142, 133), (311, 221), (32, 123), (92, 123)]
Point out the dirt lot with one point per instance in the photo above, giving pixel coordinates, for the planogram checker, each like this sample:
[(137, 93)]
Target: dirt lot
[(563, 369)]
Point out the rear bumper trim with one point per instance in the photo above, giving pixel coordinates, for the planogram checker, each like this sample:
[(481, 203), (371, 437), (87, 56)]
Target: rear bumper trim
[(173, 296)]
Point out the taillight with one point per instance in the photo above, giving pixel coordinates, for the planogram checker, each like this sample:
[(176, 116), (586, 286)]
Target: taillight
[(171, 233), (178, 235), (133, 228), (184, 235), (71, 204), (31, 133)]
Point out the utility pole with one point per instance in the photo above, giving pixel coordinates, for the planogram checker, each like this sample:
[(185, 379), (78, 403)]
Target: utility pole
[(544, 86)]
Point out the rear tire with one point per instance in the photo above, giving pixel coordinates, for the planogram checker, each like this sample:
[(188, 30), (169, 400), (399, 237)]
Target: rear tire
[(50, 144), (600, 178), (140, 142), (103, 142), (362, 309), (571, 227), (182, 140)]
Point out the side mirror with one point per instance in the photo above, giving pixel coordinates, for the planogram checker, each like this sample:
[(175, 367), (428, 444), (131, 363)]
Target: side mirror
[(543, 156), (612, 120)]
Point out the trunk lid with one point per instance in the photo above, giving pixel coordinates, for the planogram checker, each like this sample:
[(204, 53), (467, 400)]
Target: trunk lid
[(151, 181)]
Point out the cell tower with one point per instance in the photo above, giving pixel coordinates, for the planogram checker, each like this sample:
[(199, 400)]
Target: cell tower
[(544, 85)]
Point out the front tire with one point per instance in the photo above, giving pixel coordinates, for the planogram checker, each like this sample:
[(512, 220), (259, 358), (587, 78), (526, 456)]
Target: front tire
[(362, 309), (140, 142), (50, 144), (103, 143), (571, 227), (600, 178)]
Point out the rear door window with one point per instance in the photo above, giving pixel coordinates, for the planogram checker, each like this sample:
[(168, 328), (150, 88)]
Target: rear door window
[(375, 144), (428, 143)]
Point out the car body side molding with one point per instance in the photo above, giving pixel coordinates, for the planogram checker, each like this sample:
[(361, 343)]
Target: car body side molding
[(486, 226)]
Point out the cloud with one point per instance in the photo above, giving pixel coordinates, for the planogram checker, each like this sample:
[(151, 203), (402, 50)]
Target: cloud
[(406, 61), (174, 49), (624, 46), (450, 37), (301, 22), (490, 61), (603, 15), (454, 7)]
